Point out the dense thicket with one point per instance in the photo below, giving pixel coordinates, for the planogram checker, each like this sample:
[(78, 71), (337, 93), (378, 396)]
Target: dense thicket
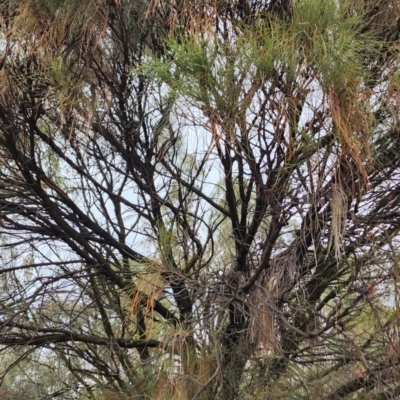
[(199, 200)]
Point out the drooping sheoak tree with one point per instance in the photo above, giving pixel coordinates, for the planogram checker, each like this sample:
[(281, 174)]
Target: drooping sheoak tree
[(200, 200)]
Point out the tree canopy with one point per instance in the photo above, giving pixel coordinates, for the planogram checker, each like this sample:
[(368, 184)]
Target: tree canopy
[(199, 200)]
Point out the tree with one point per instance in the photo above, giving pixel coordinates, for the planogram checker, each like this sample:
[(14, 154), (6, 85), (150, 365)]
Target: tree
[(201, 200)]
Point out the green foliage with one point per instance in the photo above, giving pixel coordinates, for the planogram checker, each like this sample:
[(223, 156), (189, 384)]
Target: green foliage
[(323, 35)]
